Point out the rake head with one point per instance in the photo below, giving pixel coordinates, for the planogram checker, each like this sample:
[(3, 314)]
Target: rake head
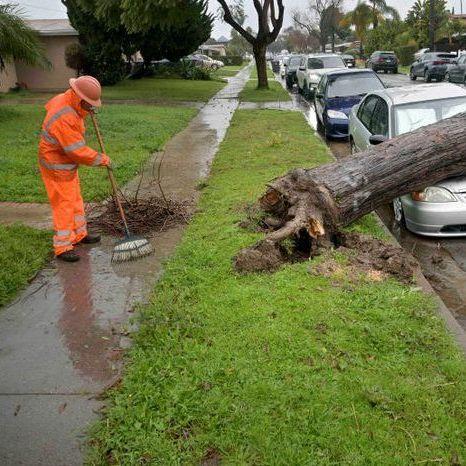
[(131, 248)]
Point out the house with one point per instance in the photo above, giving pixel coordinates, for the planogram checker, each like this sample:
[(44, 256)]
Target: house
[(55, 35)]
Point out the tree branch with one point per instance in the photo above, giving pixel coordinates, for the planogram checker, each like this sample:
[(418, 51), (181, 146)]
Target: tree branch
[(228, 18), (277, 24)]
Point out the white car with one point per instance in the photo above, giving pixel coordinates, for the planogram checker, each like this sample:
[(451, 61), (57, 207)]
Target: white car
[(420, 53), (209, 62), (311, 69), (438, 210)]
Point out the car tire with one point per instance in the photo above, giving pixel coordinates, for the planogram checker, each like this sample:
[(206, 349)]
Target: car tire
[(412, 76), (398, 212), (427, 76), (440, 79)]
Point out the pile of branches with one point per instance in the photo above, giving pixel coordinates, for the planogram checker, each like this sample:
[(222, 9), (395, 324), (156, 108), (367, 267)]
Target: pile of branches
[(151, 215)]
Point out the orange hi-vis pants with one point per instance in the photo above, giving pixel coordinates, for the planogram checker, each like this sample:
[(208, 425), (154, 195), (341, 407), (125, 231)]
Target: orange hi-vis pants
[(62, 148), (69, 221)]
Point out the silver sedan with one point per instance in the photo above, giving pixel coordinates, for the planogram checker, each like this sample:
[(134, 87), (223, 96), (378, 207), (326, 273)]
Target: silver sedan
[(438, 210)]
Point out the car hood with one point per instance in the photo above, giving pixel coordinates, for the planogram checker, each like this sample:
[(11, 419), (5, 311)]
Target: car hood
[(455, 185), (343, 104)]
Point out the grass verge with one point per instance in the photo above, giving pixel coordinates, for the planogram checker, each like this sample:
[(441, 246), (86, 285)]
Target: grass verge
[(283, 368), (227, 71), (250, 93), (131, 133), (254, 72), (23, 251)]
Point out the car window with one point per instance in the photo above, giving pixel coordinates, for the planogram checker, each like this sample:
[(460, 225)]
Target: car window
[(325, 62), (379, 120), (409, 117), (294, 61), (350, 84), (366, 109)]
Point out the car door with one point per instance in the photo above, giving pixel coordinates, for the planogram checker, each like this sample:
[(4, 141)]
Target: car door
[(361, 132)]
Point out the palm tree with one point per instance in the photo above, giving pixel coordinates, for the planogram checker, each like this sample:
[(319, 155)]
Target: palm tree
[(380, 9), (360, 18), (17, 40)]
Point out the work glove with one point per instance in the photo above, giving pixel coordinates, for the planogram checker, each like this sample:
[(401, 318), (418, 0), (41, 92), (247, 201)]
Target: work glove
[(106, 162)]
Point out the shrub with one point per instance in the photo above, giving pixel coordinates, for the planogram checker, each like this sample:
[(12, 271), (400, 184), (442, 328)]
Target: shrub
[(405, 54), (75, 57), (190, 71), (234, 60)]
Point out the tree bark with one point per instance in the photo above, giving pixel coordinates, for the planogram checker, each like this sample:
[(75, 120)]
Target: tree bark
[(260, 51), (320, 201)]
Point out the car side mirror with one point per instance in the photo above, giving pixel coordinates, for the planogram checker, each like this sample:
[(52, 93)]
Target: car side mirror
[(301, 68), (377, 139)]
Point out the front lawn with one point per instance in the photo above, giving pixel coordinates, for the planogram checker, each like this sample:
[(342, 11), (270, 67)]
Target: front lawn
[(275, 92), (163, 90), (131, 134), (23, 251), (228, 71), (290, 368), (154, 90)]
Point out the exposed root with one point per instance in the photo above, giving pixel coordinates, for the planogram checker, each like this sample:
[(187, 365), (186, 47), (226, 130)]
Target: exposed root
[(150, 215)]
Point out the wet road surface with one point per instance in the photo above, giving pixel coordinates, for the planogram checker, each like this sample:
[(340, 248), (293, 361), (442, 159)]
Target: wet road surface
[(443, 261), (61, 341)]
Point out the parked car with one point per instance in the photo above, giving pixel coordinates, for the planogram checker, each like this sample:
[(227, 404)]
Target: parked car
[(291, 69), (456, 72), (420, 52), (210, 63), (338, 91), (349, 60), (431, 65), (383, 61), (438, 210), (311, 69)]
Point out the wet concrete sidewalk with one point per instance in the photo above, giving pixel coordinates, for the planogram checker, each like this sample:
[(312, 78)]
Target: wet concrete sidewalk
[(62, 340)]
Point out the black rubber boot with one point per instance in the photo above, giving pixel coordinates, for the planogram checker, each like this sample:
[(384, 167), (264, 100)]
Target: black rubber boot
[(90, 239), (68, 256)]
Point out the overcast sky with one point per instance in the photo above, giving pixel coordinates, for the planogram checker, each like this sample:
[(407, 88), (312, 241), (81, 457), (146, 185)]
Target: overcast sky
[(54, 9)]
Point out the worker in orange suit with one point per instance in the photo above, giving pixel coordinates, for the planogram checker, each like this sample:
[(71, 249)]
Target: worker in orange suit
[(62, 149)]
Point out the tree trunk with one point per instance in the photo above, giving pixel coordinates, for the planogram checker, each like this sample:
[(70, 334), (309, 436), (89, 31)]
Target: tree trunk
[(318, 202), (261, 65), (333, 42)]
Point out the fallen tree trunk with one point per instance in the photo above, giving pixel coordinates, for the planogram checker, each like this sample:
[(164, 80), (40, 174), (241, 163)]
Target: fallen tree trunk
[(318, 202)]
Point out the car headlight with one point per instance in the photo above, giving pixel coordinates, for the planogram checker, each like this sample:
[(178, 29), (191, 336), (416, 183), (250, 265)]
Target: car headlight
[(434, 194), (336, 114)]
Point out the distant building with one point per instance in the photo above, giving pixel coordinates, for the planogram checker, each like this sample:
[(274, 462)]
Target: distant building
[(214, 48), (55, 35)]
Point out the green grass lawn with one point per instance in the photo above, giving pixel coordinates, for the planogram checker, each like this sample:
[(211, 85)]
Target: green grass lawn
[(254, 72), (156, 90), (131, 134), (404, 69), (287, 368), (228, 71), (250, 93), (23, 251)]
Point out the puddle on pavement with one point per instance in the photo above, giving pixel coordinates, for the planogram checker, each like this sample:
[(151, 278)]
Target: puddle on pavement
[(66, 332)]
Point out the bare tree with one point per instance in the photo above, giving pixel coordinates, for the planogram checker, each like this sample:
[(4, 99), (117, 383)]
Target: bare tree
[(269, 20), (319, 19)]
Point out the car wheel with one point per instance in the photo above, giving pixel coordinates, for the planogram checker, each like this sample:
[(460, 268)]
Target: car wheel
[(412, 76), (427, 77), (398, 211), (440, 79)]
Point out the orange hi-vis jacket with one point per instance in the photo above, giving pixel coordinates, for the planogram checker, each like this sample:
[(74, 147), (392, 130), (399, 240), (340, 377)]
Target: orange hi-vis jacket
[(62, 149)]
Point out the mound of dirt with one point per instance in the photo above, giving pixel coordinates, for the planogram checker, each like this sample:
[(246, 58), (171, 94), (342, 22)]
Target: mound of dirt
[(150, 215), (365, 257)]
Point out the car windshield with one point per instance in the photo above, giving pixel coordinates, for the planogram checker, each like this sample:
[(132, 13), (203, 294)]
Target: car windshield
[(436, 56), (352, 84), (325, 62), (294, 61), (409, 117)]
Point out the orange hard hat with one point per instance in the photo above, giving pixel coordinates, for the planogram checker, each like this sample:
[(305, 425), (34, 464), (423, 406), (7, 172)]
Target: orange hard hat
[(88, 88)]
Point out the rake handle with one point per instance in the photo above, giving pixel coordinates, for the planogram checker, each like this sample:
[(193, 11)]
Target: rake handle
[(110, 174)]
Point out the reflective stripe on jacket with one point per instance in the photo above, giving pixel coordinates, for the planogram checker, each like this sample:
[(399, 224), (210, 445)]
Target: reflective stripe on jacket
[(62, 145)]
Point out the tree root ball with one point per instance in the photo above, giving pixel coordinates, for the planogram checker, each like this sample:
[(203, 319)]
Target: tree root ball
[(264, 256)]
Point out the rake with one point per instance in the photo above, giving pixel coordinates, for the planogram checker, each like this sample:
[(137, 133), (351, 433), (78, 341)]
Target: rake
[(131, 247)]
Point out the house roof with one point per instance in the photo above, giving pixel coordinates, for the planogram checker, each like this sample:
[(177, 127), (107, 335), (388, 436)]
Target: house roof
[(52, 27)]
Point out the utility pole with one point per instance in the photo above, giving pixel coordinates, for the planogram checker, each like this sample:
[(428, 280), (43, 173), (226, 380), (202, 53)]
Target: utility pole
[(431, 25)]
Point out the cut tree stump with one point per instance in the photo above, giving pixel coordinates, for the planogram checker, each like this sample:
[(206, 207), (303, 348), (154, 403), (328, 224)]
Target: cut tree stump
[(318, 202)]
